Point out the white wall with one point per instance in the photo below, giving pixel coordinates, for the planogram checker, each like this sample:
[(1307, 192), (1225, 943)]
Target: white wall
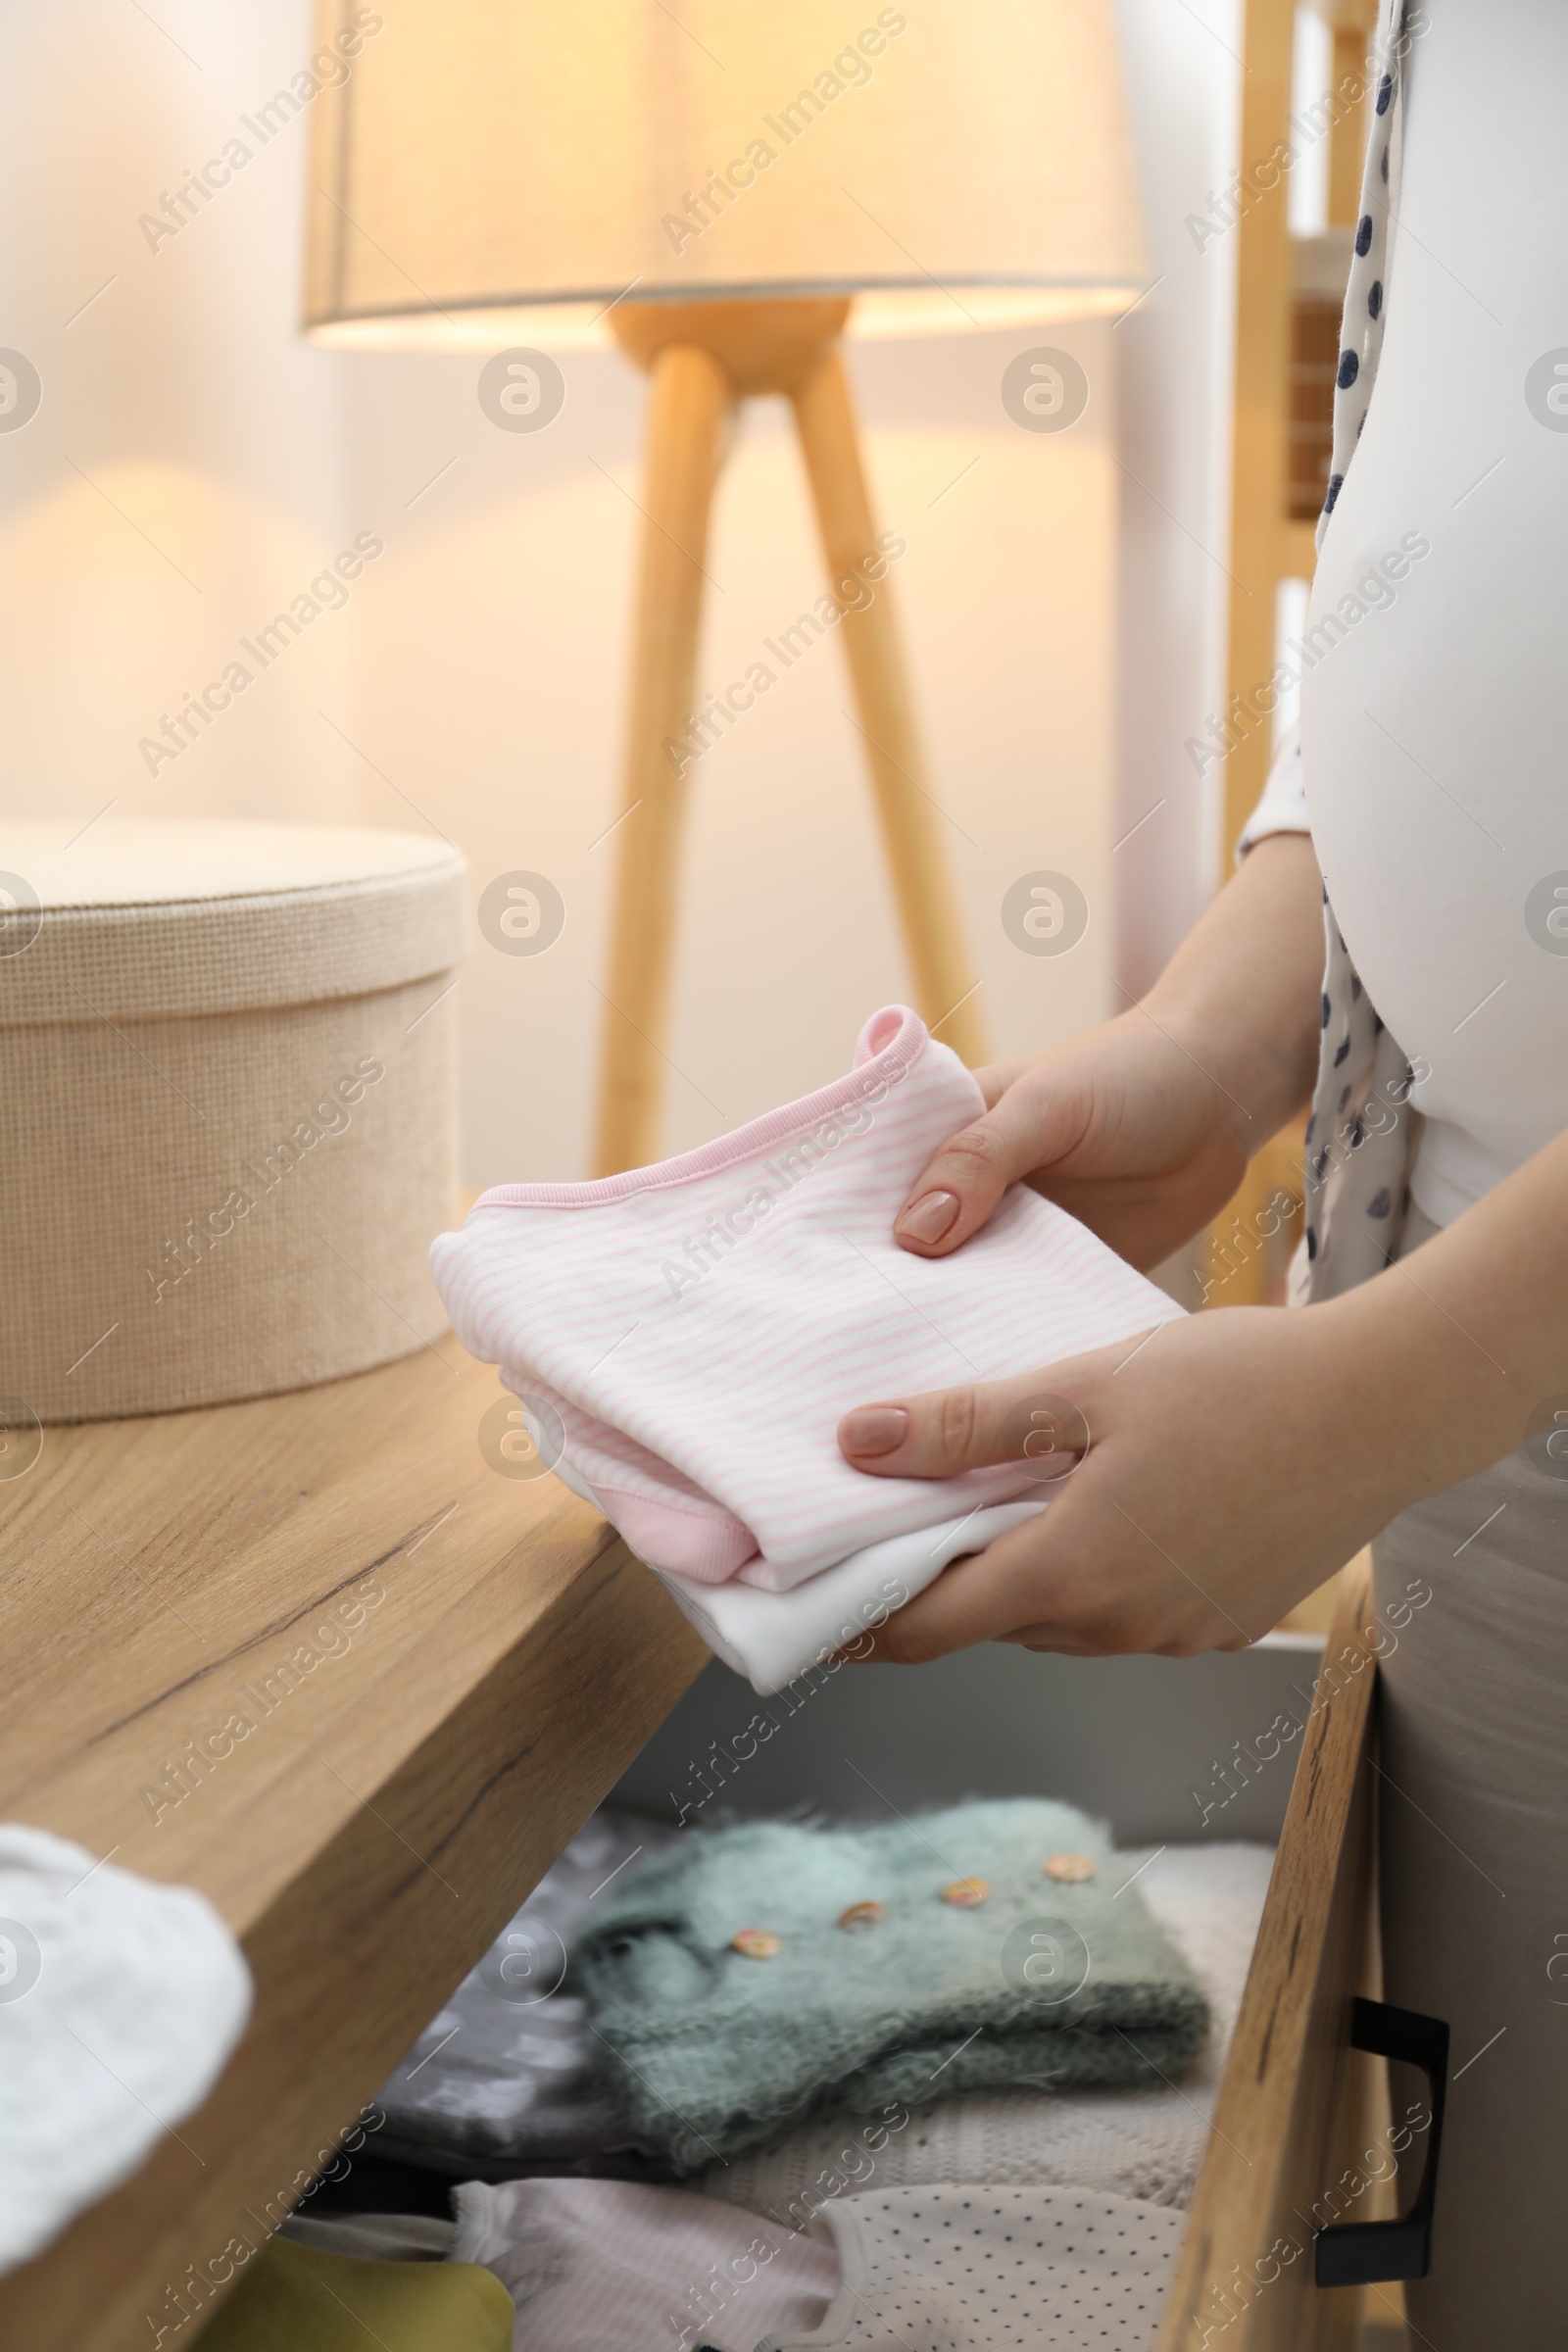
[(183, 475), (1175, 353), (499, 621), (477, 672)]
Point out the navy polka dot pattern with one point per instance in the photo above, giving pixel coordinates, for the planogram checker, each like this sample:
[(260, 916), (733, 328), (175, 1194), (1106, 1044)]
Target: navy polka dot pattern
[(1357, 1158), (1364, 296), (932, 2269)]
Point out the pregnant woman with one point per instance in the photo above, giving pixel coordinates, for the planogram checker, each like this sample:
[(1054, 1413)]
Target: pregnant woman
[(1238, 1458)]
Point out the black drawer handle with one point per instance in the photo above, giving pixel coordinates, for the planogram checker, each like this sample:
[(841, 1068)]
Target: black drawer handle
[(1362, 2253)]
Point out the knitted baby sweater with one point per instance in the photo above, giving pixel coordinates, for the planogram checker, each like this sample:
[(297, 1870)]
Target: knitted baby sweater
[(768, 1970)]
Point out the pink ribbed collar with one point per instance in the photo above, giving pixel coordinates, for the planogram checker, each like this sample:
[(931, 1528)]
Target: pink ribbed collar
[(885, 1052)]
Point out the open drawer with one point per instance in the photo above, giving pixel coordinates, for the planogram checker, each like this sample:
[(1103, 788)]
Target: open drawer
[(1281, 2200), (516, 1661)]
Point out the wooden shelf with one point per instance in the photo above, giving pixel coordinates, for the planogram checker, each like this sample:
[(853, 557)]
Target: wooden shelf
[(1297, 550), (393, 1803)]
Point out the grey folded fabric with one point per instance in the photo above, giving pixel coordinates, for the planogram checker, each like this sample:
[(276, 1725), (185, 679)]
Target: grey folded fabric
[(764, 1973), (504, 2081)]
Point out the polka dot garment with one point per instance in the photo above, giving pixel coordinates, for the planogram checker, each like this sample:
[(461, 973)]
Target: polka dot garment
[(1360, 1138), (977, 2269)]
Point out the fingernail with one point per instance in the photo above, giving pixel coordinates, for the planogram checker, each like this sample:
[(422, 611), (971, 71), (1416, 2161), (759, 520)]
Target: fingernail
[(928, 1218), (875, 1429)]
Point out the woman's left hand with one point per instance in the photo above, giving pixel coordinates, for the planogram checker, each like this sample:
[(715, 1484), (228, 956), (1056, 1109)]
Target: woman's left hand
[(1233, 1461)]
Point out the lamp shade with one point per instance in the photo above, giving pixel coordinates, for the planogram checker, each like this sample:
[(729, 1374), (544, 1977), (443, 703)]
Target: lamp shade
[(501, 165)]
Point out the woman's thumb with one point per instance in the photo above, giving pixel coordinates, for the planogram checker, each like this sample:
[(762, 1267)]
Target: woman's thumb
[(958, 1189)]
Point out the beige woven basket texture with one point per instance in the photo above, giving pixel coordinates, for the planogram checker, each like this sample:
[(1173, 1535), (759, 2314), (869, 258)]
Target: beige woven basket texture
[(227, 1072)]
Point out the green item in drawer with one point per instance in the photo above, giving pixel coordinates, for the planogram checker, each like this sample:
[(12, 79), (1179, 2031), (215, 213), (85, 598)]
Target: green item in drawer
[(765, 1972), (295, 2298)]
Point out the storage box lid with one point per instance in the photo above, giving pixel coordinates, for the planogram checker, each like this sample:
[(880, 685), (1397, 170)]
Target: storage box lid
[(146, 920)]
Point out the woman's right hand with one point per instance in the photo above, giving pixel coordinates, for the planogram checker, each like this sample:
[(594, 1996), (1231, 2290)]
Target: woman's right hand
[(1122, 1126), (1143, 1128)]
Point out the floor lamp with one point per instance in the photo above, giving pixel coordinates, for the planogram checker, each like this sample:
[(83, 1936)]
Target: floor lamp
[(725, 189)]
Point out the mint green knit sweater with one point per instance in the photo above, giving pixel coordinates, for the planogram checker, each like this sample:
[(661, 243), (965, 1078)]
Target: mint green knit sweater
[(1044, 1984)]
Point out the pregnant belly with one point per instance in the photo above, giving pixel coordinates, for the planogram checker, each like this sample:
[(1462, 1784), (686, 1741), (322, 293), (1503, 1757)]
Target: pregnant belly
[(1436, 782)]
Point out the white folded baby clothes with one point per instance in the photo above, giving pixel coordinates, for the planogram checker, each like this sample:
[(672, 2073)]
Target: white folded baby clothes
[(604, 2266), (772, 1638), (687, 1336), (119, 2001)]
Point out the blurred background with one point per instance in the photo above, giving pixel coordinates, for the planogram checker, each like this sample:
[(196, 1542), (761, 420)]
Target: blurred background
[(193, 463)]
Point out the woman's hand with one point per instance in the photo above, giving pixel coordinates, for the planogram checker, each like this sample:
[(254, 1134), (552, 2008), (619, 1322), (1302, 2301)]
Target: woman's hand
[(1233, 1461), (1122, 1126), (1142, 1128)]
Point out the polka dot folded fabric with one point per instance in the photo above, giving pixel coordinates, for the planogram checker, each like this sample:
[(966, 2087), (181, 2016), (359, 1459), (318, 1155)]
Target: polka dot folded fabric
[(974, 2269), (771, 1970), (604, 2266)]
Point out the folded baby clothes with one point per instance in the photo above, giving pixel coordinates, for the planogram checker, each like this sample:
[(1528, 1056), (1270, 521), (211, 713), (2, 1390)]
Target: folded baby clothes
[(505, 2079), (599, 2266), (762, 1973), (1148, 2141), (297, 2298), (119, 2001), (772, 1638), (976, 2269), (689, 1335)]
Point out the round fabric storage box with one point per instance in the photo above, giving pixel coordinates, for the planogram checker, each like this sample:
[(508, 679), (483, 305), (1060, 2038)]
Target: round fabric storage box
[(226, 1063)]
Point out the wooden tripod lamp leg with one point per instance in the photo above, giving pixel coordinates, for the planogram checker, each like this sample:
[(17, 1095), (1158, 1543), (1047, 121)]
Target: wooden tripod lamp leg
[(689, 396), (944, 976)]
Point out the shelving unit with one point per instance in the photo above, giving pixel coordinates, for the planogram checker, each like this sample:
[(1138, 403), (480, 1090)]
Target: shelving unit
[(1287, 299)]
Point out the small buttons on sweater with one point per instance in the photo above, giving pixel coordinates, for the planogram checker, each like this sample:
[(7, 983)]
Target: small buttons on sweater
[(960, 1894)]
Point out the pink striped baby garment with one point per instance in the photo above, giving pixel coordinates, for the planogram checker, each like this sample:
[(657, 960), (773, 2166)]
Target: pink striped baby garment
[(689, 1335)]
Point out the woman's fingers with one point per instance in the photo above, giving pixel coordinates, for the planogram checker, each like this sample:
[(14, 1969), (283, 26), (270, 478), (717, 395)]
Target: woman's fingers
[(1032, 1419), (1031, 1586), (1078, 1579), (995, 1078), (960, 1186), (985, 1597), (1194, 1487)]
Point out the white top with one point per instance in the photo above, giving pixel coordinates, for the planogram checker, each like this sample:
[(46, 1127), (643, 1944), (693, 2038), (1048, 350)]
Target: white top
[(1431, 749)]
